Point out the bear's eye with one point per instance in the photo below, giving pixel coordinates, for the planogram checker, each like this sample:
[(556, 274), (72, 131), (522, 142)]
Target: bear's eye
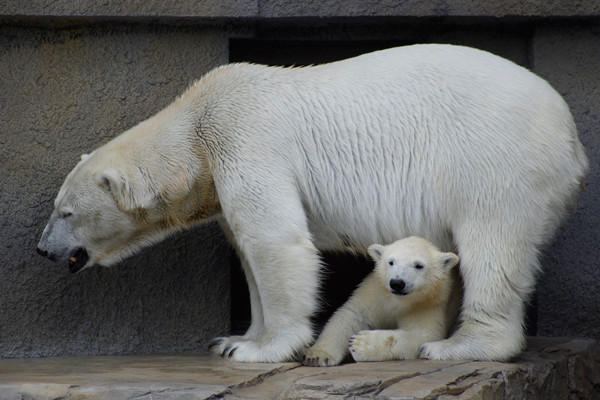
[(419, 266), (391, 262)]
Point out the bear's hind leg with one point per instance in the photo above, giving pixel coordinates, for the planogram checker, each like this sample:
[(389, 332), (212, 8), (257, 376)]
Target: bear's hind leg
[(498, 277)]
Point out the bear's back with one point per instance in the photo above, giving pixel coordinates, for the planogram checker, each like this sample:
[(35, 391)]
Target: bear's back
[(440, 120)]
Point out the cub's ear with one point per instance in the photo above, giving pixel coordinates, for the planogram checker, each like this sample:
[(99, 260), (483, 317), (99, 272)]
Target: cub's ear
[(448, 260), (128, 195), (376, 251)]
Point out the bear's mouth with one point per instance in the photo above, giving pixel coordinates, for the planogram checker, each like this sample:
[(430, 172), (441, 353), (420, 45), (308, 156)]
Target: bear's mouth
[(78, 259)]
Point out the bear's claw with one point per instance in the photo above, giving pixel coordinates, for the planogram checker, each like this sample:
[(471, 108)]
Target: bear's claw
[(228, 352), (214, 342)]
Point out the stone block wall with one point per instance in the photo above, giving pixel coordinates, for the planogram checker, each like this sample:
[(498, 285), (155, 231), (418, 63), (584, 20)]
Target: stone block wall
[(72, 76)]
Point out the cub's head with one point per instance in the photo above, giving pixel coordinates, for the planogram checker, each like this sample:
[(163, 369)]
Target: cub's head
[(412, 265), (114, 203)]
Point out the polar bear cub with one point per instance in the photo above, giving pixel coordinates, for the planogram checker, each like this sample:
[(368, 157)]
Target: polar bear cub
[(406, 299)]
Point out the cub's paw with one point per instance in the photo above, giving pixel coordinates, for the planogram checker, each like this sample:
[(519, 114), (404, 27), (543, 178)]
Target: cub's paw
[(318, 357), (366, 346)]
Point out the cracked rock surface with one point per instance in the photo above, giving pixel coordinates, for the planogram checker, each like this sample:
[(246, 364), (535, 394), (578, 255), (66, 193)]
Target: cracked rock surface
[(550, 368)]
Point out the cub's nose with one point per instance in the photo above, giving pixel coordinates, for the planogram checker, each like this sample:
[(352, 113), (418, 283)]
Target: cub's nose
[(397, 285)]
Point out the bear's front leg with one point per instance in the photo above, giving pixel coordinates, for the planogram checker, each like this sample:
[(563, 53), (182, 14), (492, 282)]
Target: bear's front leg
[(254, 332), (267, 219), (385, 345), (286, 277)]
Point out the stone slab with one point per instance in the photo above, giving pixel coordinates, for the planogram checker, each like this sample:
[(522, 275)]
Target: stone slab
[(128, 377), (550, 368)]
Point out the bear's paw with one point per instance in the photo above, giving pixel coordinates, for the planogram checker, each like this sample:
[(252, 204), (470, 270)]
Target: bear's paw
[(219, 345)]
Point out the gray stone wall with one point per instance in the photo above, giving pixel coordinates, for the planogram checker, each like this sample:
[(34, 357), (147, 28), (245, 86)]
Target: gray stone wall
[(568, 55), (64, 92), (295, 9), (74, 76)]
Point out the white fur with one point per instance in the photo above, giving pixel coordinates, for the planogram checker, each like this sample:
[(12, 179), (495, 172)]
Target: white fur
[(444, 142), (404, 320)]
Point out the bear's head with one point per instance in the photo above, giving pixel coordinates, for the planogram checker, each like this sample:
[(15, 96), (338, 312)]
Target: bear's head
[(126, 195), (412, 265)]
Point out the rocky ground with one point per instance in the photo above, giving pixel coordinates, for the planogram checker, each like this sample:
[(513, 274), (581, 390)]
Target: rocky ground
[(550, 368)]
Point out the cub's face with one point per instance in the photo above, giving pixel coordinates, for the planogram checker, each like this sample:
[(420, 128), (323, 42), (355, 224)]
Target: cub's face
[(403, 275), (409, 265)]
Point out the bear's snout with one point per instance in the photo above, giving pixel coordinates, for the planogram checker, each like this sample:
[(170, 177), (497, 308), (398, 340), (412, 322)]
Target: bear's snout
[(45, 253), (398, 287), (77, 259)]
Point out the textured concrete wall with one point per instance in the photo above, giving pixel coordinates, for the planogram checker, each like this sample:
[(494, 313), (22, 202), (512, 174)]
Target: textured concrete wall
[(130, 8), (64, 92), (306, 8), (74, 76), (425, 8), (568, 55)]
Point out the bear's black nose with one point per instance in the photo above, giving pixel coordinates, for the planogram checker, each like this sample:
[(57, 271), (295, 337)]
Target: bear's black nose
[(397, 285), (44, 253)]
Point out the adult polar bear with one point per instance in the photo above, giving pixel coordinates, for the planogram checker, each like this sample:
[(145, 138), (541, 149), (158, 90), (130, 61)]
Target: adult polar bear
[(449, 143)]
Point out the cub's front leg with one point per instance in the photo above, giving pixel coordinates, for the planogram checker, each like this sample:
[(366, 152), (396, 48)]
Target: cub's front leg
[(332, 346), (385, 345)]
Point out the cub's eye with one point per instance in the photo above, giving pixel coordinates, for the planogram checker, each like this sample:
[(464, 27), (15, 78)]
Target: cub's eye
[(66, 214), (419, 266), (391, 262)]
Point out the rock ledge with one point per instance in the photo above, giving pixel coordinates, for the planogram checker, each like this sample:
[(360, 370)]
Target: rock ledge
[(550, 368)]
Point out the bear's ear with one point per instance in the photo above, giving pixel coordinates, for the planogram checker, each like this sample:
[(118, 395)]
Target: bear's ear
[(448, 260), (84, 157), (376, 251), (128, 196)]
